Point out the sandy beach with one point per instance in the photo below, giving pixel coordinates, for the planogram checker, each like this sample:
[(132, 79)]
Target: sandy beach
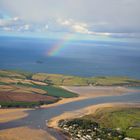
[(25, 133), (7, 115), (92, 91), (53, 123), (85, 92), (29, 133)]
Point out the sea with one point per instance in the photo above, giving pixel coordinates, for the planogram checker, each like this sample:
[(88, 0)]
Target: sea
[(84, 58)]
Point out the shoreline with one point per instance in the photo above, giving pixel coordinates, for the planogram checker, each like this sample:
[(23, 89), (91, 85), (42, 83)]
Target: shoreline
[(96, 92), (83, 93), (53, 123), (9, 114)]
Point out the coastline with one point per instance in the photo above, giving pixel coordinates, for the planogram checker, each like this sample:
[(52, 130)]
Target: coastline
[(96, 92), (17, 113), (53, 123), (25, 133), (87, 92), (11, 114)]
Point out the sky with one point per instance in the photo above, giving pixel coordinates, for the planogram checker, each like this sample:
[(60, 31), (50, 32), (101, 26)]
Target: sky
[(102, 18)]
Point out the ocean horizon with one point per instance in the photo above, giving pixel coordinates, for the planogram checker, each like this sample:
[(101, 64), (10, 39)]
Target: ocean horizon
[(80, 58)]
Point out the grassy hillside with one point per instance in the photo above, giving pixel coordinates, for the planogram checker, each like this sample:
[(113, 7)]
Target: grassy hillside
[(57, 91), (12, 74), (126, 119), (56, 79), (18, 86), (109, 81), (18, 89), (65, 80)]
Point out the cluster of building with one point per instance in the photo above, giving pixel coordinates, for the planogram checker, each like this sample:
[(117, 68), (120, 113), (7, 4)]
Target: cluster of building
[(82, 129)]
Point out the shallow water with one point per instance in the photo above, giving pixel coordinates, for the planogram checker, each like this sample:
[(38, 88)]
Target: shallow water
[(37, 118)]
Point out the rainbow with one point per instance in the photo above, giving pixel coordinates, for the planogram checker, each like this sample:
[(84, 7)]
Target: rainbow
[(56, 49)]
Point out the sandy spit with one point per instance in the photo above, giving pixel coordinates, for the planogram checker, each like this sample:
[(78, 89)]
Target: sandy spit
[(12, 114), (24, 133), (53, 123), (86, 92)]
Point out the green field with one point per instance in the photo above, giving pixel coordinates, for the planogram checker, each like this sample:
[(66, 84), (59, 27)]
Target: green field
[(19, 104), (126, 119), (49, 84), (57, 91), (110, 81), (24, 104), (18, 89), (56, 79), (59, 80), (66, 80), (135, 133), (52, 90)]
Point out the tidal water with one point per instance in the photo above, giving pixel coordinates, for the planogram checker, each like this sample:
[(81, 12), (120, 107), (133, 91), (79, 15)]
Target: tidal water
[(81, 58), (38, 118)]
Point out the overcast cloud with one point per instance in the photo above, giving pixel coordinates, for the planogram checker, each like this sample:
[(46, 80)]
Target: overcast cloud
[(82, 16)]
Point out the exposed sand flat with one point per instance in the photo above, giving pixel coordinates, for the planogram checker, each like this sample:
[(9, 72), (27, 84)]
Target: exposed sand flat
[(98, 90), (24, 133), (86, 92), (88, 110), (12, 114), (20, 133), (39, 134), (64, 101)]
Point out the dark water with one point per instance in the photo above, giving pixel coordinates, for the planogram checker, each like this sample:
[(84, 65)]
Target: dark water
[(37, 118), (83, 58)]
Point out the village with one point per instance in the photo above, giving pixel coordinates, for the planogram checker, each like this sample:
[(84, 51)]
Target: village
[(80, 129)]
